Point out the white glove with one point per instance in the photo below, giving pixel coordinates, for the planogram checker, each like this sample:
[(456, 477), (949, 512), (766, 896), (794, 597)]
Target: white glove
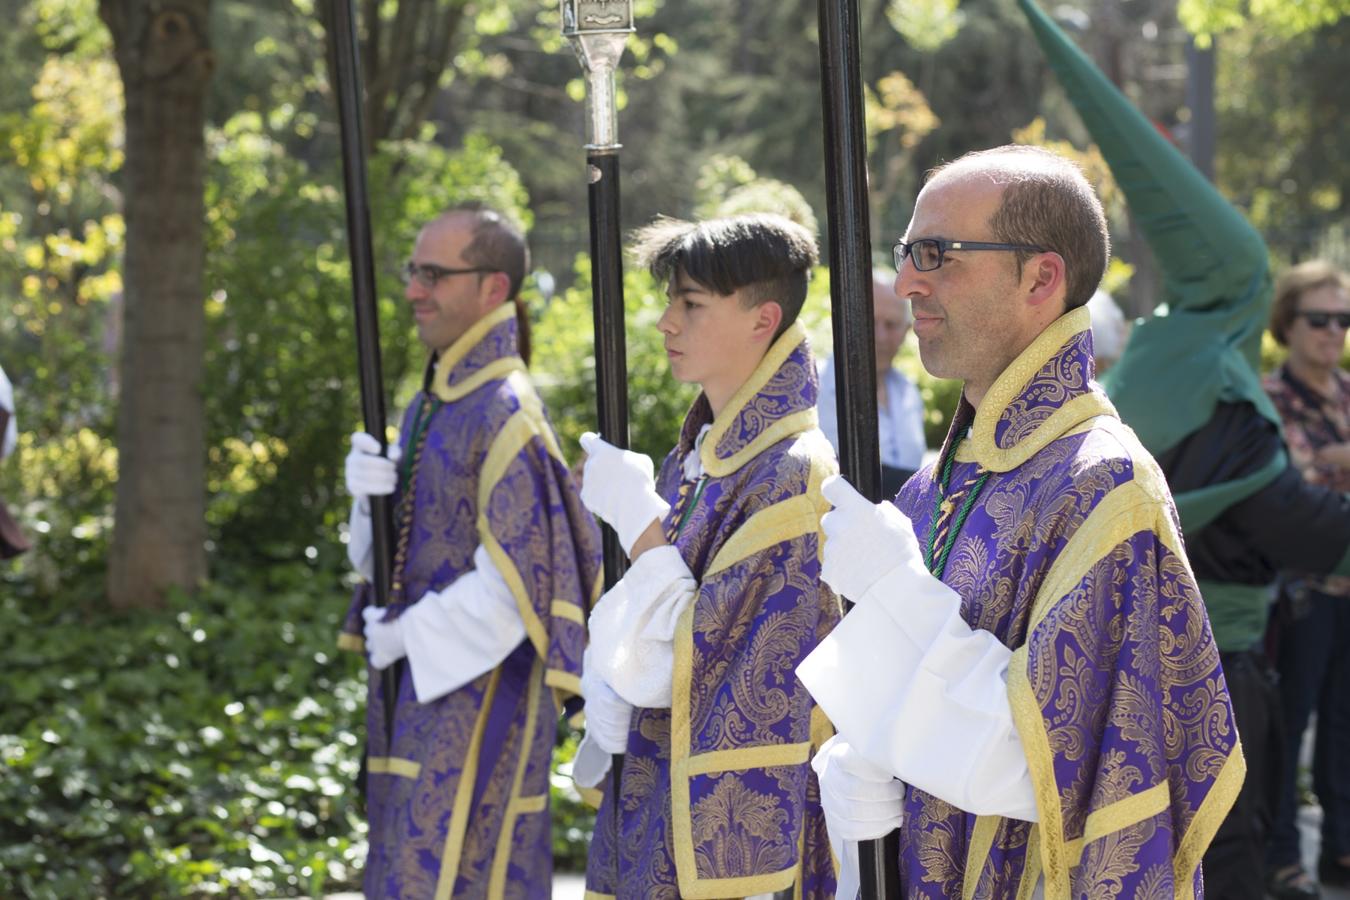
[(608, 716), (619, 486), (861, 801), (369, 474), (384, 640), (863, 540)]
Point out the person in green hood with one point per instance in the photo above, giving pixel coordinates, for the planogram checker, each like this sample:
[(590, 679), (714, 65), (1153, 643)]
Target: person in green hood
[(1188, 384)]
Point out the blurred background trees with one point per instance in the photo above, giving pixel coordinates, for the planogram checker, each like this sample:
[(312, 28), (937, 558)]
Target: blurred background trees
[(224, 723)]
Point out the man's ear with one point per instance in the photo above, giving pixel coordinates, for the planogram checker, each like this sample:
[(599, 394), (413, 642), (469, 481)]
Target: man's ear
[(494, 290), (1044, 278), (768, 316)]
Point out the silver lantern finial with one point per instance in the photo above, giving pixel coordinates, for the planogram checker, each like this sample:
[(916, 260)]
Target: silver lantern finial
[(598, 30)]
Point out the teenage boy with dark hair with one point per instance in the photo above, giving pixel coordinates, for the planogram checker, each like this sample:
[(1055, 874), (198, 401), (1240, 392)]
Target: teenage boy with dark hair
[(689, 672)]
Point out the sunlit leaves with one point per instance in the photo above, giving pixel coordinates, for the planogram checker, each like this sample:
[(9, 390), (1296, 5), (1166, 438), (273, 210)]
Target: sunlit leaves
[(925, 24), (897, 105), (1205, 18)]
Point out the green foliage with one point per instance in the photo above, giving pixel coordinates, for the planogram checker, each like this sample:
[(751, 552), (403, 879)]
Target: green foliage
[(1206, 18), (207, 749)]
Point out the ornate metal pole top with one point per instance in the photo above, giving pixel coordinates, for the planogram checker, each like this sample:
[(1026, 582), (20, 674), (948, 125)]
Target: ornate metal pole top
[(598, 30)]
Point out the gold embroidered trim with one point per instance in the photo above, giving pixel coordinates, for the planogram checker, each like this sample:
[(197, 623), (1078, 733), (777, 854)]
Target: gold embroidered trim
[(822, 729), (741, 758), (566, 609), (803, 420), (1118, 816), (1013, 381), (493, 371), (446, 362), (682, 768), (596, 895), (459, 812), (783, 521), (352, 642), (393, 765), (1040, 761), (1206, 822), (565, 681), (1136, 506), (1031, 869), (524, 424), (515, 807), (977, 854)]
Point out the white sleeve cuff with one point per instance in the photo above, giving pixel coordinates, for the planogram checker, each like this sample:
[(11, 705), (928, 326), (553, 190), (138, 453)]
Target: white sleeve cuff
[(632, 627), (361, 539), (934, 711), (456, 634)]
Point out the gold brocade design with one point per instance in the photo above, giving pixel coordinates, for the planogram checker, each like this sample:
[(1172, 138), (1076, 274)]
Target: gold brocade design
[(1005, 392), (1075, 554), (527, 424), (351, 642), (459, 814), (447, 383), (981, 842), (518, 805), (744, 404)]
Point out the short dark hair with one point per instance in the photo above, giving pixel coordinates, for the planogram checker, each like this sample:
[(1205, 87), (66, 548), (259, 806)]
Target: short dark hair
[(498, 243), (764, 256), (1047, 202), (1293, 284)]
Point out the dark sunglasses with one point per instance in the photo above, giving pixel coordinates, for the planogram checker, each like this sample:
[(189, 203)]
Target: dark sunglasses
[(1320, 319), (928, 253)]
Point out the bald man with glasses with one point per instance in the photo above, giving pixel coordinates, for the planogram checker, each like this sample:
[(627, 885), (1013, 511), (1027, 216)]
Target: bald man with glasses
[(1016, 686), (495, 567)]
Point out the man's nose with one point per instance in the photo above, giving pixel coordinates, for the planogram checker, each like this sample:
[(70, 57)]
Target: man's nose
[(909, 280)]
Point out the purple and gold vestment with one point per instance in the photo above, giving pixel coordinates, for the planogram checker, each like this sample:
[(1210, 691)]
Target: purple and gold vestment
[(1072, 556), (718, 799), (458, 805)]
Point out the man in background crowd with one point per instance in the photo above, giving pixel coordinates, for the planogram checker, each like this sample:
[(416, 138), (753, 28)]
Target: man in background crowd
[(899, 406)]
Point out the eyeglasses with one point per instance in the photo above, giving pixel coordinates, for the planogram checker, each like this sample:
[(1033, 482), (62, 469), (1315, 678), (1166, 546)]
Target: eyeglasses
[(928, 253), (427, 275), (1319, 319)]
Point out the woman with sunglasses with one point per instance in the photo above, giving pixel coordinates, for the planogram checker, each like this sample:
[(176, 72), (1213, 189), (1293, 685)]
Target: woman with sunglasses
[(1311, 316)]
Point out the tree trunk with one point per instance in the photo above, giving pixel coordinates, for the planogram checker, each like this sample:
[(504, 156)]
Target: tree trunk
[(160, 525)]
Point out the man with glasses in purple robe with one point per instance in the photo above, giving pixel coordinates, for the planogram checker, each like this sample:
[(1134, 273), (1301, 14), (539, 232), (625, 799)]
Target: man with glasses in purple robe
[(495, 568), (1028, 688), (689, 674)]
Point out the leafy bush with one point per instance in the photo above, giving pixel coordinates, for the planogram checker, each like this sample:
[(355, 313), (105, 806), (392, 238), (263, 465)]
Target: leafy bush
[(210, 749)]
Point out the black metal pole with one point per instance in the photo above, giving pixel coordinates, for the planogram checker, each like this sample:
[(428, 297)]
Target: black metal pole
[(348, 71), (851, 311), (611, 357)]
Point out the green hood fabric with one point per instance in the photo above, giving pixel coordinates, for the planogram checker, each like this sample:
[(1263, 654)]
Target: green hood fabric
[(1202, 346)]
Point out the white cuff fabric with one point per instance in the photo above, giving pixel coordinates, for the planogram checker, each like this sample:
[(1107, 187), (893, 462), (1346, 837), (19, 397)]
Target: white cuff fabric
[(935, 712), (361, 539), (456, 634), (632, 627)]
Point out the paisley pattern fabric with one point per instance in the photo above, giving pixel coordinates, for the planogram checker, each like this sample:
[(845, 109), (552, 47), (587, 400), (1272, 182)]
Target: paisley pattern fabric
[(718, 799), (1073, 558), (458, 803)]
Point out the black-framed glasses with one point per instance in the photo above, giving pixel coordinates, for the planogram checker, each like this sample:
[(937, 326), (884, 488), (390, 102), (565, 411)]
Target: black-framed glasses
[(428, 275), (1320, 319), (928, 253)]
